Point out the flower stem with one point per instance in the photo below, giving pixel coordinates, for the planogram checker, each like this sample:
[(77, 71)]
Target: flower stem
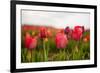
[(31, 55), (64, 53), (45, 53)]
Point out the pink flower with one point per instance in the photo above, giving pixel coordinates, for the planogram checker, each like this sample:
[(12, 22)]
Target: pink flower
[(30, 42), (77, 33), (61, 40)]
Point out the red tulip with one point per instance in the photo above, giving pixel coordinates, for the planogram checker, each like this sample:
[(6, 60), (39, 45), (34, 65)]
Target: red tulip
[(30, 42), (43, 32), (79, 28), (61, 40), (77, 33)]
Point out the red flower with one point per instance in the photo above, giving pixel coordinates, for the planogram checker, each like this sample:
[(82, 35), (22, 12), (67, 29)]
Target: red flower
[(77, 33), (43, 32), (30, 42), (61, 40)]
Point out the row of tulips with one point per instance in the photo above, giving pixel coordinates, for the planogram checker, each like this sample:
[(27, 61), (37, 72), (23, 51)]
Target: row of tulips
[(61, 40)]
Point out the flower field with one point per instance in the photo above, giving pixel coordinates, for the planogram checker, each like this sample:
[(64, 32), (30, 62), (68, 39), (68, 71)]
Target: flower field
[(45, 43)]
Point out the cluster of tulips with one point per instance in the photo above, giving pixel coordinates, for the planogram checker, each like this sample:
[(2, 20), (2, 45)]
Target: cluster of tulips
[(61, 39)]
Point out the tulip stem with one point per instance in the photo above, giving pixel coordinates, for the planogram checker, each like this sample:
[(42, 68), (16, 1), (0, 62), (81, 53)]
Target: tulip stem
[(64, 53), (45, 53), (31, 55)]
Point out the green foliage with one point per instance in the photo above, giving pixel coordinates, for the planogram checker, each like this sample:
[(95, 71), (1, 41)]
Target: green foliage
[(75, 50)]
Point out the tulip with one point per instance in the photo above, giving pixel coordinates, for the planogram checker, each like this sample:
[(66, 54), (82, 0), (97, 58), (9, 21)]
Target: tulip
[(61, 43), (77, 33), (30, 44), (43, 32), (61, 40), (86, 38), (67, 30), (27, 40)]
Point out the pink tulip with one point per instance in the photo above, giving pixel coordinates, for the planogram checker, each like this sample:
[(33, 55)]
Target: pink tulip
[(61, 40), (30, 42)]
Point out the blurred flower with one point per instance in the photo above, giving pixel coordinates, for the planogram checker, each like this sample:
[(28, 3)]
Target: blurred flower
[(67, 30), (77, 33), (86, 38), (49, 34), (30, 42), (61, 31), (61, 40), (43, 32), (46, 40), (33, 33)]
